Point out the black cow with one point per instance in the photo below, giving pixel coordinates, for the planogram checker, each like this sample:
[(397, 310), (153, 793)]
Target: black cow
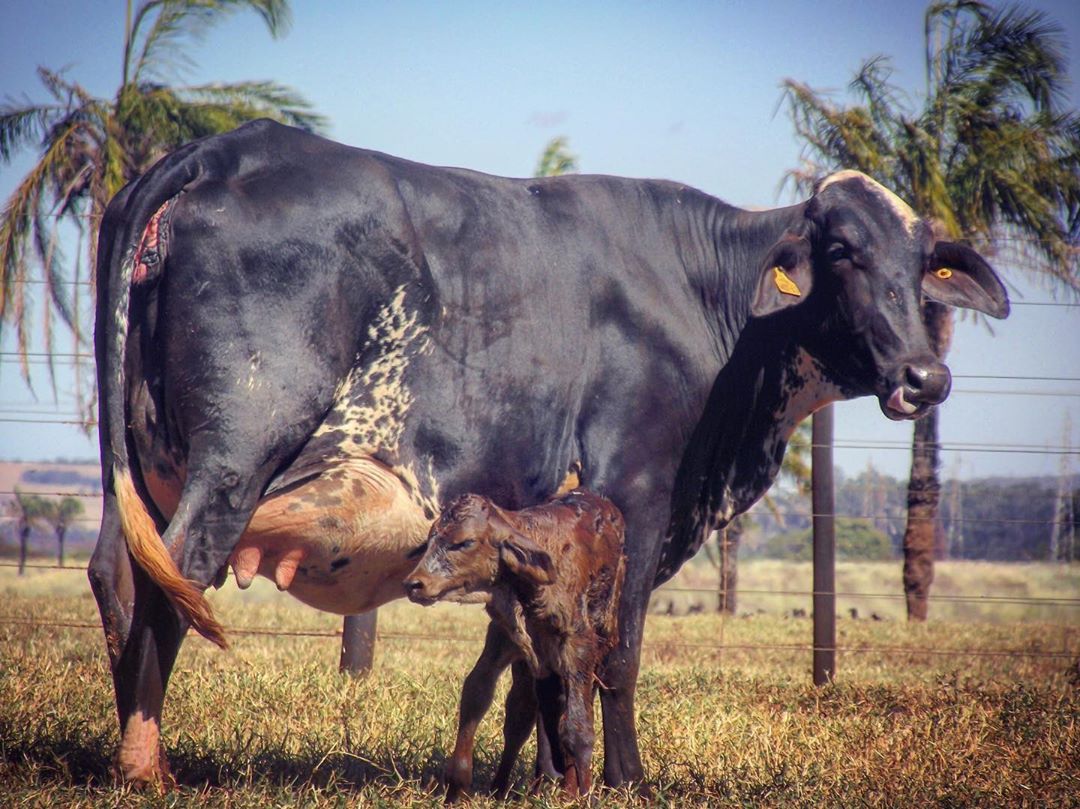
[(304, 349)]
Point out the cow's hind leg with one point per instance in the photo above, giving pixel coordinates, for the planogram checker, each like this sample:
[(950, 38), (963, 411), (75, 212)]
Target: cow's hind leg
[(142, 669), (142, 636), (110, 574)]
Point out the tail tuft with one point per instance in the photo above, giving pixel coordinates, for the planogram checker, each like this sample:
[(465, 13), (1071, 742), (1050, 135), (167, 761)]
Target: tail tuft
[(149, 552)]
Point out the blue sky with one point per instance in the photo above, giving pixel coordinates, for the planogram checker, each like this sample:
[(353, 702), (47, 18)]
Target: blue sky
[(682, 90)]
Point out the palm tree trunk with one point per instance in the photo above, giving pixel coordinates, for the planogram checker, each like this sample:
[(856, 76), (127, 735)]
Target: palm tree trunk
[(24, 542), (924, 492), (924, 487)]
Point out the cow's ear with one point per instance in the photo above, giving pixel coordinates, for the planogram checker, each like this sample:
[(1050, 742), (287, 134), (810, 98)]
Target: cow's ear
[(527, 560), (786, 276), (959, 276)]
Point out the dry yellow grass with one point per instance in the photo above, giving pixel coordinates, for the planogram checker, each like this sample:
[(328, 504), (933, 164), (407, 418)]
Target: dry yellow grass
[(271, 723)]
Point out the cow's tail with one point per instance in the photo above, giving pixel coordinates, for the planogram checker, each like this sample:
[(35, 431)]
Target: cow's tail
[(128, 215), (148, 550)]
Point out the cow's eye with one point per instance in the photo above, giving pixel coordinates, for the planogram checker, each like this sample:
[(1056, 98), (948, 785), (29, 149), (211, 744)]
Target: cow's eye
[(465, 544), (838, 252)]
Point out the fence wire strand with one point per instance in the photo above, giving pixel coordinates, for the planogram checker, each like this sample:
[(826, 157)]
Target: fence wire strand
[(647, 645)]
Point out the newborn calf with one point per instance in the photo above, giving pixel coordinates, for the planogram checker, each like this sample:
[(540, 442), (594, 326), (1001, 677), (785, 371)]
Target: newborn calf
[(552, 575)]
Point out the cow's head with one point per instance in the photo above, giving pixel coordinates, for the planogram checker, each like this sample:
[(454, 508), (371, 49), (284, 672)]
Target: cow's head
[(857, 267), (469, 548)]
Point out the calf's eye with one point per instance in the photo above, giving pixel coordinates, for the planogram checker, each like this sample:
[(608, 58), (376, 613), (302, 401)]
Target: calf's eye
[(461, 546), (837, 252)]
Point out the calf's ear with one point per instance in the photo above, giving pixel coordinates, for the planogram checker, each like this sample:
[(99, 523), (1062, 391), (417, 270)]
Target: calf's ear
[(958, 276), (527, 560), (786, 277)]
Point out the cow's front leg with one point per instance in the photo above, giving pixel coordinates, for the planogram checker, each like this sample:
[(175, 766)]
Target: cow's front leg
[(622, 760)]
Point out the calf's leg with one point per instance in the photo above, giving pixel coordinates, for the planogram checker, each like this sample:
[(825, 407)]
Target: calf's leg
[(551, 699), (519, 722), (476, 695), (576, 733)]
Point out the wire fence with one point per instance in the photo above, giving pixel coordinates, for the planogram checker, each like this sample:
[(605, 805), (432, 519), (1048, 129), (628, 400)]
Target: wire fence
[(1066, 653), (66, 413)]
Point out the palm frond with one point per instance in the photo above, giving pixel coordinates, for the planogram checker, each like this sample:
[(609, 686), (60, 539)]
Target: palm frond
[(254, 99), (556, 159), (23, 125), (989, 156), (17, 225), (173, 20)]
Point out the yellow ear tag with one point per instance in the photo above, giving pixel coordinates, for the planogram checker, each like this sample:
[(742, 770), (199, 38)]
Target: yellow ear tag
[(944, 273), (784, 283)]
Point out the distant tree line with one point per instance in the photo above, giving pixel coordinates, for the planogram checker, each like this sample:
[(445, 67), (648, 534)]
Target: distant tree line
[(62, 477), (993, 519)]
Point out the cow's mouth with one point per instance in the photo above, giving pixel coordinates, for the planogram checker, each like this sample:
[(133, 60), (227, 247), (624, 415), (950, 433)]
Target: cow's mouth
[(898, 407), (921, 385)]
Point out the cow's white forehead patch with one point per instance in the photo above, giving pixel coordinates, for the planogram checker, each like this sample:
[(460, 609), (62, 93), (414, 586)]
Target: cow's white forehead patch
[(902, 210)]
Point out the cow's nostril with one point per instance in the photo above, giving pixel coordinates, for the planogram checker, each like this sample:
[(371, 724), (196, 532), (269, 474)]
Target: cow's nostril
[(915, 376), (412, 585), (927, 382)]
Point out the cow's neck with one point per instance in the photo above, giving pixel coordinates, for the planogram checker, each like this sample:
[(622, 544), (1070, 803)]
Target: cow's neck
[(765, 386)]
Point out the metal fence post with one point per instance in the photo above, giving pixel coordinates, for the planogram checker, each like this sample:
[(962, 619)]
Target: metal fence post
[(358, 643), (823, 505)]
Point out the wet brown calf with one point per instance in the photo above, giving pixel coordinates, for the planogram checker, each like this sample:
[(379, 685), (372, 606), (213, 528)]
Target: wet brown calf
[(551, 577)]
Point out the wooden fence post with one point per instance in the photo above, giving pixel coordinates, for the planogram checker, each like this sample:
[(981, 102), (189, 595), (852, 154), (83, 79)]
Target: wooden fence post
[(823, 506), (358, 643)]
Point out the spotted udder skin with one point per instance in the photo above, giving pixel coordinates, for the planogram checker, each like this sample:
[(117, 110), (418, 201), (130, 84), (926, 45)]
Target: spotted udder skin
[(348, 532)]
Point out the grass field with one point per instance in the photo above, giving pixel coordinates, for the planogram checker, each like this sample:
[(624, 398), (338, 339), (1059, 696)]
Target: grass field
[(272, 723)]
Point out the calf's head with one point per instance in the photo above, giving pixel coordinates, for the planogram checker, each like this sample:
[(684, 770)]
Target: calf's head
[(469, 549), (853, 274)]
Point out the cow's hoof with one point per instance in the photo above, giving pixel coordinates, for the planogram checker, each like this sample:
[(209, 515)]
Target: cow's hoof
[(149, 776)]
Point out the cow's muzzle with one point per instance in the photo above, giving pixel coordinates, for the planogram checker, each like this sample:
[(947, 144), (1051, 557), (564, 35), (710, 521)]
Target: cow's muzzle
[(922, 385)]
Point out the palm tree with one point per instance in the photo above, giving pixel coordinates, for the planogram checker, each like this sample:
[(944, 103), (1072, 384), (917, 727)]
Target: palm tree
[(60, 514), (27, 510), (90, 147), (990, 157)]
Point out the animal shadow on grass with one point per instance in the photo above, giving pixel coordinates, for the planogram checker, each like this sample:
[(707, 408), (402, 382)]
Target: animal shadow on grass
[(82, 761)]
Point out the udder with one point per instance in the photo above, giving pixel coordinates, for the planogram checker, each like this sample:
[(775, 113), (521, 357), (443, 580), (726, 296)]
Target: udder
[(338, 543)]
